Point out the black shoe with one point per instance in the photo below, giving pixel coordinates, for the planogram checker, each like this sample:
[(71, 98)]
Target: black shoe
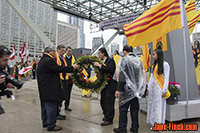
[(57, 128), (45, 125), (61, 117), (104, 118), (134, 131), (118, 130), (106, 123), (68, 109)]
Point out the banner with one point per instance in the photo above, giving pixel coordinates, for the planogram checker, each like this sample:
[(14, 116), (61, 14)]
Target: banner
[(192, 23), (159, 20), (190, 9), (12, 56), (25, 70)]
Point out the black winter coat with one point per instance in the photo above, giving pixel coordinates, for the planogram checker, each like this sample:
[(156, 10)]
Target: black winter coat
[(110, 68), (49, 83)]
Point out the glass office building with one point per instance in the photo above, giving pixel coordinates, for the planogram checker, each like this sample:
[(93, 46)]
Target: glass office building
[(13, 30)]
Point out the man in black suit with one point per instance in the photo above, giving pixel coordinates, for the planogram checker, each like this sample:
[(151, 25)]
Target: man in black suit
[(49, 86), (108, 93)]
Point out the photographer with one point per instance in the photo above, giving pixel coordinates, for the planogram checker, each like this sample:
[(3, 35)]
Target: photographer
[(4, 57)]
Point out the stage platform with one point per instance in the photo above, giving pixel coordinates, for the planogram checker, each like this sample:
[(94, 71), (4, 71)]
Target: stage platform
[(178, 111)]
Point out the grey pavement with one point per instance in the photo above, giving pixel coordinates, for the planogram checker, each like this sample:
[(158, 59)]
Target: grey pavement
[(23, 115)]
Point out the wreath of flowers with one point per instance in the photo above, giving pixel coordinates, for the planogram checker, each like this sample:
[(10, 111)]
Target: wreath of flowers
[(78, 77)]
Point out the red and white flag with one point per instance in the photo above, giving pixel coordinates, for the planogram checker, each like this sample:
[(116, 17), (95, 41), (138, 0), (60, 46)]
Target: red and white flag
[(25, 70), (22, 52), (27, 52), (12, 56)]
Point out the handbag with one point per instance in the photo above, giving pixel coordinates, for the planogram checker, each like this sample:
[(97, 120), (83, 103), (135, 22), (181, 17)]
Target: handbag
[(167, 94)]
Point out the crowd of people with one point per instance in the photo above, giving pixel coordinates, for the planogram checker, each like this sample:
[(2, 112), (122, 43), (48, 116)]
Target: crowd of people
[(20, 65), (128, 83)]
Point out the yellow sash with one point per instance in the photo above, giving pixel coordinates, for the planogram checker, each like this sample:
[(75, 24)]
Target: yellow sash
[(48, 55), (73, 60), (58, 61), (14, 69), (198, 61), (160, 81)]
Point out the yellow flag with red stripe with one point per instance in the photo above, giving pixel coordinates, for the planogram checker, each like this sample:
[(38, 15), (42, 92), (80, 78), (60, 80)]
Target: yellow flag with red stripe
[(192, 23), (190, 9), (146, 56), (154, 23), (85, 72)]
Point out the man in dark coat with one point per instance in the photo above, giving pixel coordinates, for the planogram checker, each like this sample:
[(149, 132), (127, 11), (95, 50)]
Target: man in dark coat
[(108, 93), (49, 86), (34, 68), (70, 59)]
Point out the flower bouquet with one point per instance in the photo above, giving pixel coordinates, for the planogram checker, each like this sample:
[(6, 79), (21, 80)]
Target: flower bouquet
[(174, 88)]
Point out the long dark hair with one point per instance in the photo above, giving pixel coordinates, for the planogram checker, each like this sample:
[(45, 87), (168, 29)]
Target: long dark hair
[(159, 61), (117, 52), (103, 50)]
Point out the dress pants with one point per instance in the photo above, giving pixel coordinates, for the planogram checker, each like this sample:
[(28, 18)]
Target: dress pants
[(67, 93), (107, 104), (134, 109), (64, 83), (49, 111), (33, 74)]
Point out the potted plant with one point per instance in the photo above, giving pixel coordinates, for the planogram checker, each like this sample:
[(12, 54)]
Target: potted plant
[(174, 89)]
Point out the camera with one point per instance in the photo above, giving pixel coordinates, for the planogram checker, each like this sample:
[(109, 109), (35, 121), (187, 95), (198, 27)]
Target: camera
[(12, 80), (8, 93)]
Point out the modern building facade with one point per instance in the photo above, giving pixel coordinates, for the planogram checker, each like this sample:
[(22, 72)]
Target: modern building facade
[(96, 43), (79, 23), (13, 30), (68, 35), (125, 42), (114, 46)]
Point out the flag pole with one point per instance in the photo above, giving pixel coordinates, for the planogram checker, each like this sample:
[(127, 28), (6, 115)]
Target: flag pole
[(185, 56)]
